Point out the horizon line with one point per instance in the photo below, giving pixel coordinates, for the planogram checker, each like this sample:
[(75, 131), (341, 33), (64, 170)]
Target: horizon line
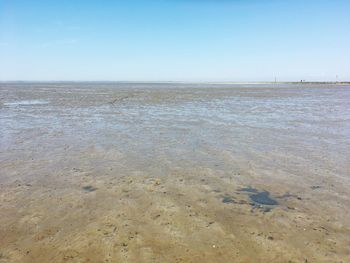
[(175, 81)]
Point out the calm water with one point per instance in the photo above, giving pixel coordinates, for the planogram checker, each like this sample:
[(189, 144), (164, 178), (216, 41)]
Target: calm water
[(122, 172)]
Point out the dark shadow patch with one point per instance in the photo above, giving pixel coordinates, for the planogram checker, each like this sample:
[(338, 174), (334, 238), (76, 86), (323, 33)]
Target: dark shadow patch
[(228, 200), (89, 188), (263, 198)]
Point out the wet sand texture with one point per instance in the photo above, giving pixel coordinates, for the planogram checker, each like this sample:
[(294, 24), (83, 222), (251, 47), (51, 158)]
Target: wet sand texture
[(106, 172)]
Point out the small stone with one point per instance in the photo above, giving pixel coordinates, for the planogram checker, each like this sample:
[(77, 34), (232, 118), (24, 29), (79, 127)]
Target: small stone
[(89, 188), (157, 182), (210, 223)]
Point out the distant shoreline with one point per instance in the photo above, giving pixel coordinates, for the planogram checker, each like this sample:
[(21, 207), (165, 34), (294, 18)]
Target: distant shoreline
[(184, 82)]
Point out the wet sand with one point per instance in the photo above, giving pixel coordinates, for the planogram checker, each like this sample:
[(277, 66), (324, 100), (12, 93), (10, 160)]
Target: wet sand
[(127, 172)]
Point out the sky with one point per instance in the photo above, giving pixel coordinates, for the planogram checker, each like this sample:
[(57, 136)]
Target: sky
[(175, 40)]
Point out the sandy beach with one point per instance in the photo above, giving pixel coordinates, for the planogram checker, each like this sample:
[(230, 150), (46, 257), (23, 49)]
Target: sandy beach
[(174, 172)]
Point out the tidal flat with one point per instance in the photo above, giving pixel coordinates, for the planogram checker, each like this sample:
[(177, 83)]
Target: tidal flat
[(174, 172)]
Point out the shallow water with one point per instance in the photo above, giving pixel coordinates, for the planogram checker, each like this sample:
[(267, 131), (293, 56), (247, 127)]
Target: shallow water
[(127, 172), (25, 103)]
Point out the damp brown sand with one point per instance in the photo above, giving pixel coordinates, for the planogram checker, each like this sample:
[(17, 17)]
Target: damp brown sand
[(105, 172)]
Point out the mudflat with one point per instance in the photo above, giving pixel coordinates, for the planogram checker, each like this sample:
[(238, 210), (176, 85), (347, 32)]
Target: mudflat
[(174, 172)]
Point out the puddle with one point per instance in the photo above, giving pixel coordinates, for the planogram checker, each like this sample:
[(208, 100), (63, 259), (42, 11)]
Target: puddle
[(263, 198), (260, 199)]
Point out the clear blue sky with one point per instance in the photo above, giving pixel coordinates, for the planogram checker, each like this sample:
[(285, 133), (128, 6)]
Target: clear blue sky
[(187, 40)]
